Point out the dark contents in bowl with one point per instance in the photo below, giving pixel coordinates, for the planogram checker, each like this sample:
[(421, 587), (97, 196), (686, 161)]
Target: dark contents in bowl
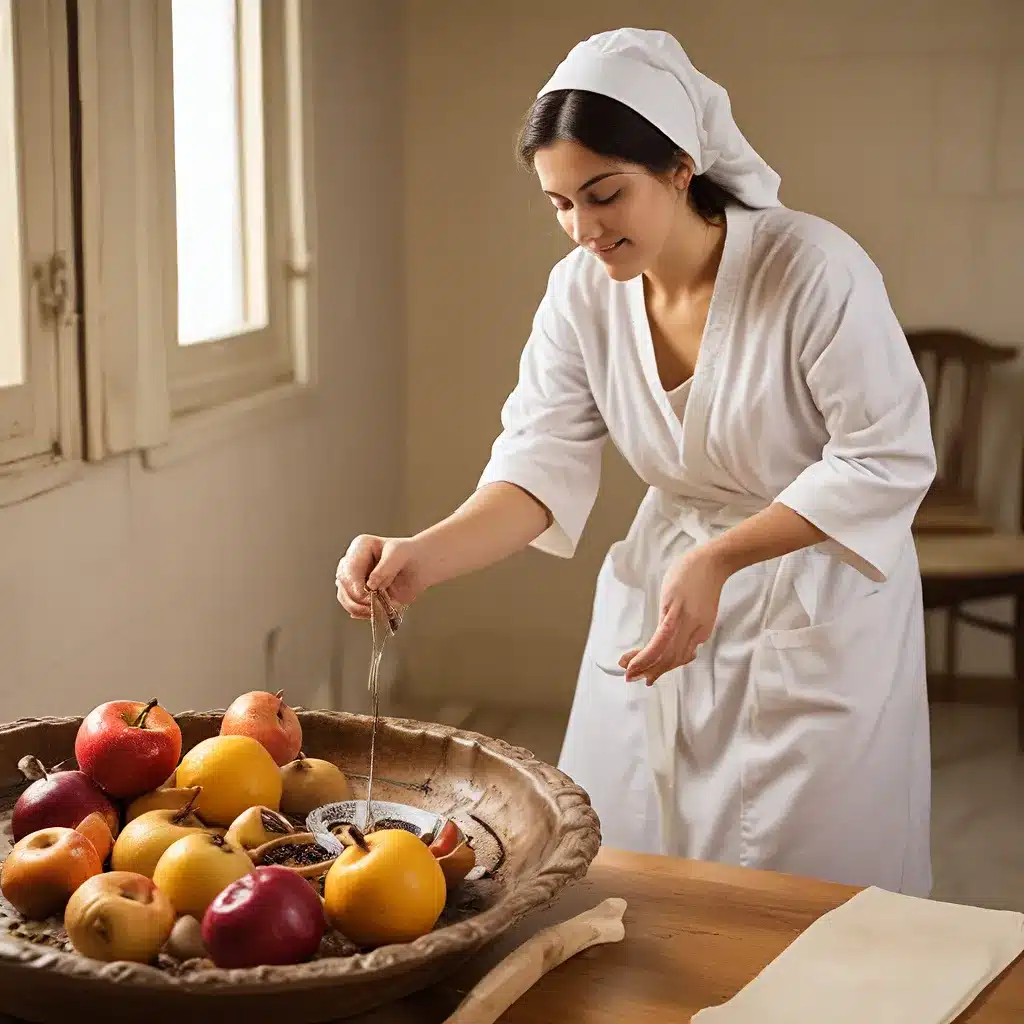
[(337, 827), (406, 826), (296, 855)]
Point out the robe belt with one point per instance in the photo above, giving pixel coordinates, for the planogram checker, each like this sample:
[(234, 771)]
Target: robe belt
[(700, 520)]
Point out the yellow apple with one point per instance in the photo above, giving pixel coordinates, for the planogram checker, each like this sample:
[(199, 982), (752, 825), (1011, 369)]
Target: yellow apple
[(193, 871), (119, 915)]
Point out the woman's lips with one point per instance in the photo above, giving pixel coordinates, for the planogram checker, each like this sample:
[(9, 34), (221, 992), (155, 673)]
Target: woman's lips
[(607, 250)]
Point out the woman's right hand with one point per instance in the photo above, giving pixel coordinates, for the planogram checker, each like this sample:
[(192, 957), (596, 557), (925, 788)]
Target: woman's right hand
[(494, 522), (390, 564)]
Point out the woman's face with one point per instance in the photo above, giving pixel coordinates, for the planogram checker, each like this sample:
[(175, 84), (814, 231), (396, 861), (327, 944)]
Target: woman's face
[(618, 211)]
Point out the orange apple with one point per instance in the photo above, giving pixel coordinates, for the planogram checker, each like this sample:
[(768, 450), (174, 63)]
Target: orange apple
[(268, 720), (119, 916), (97, 831), (45, 868), (385, 887)]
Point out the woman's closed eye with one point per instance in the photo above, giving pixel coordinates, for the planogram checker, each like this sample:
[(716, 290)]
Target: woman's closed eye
[(564, 206)]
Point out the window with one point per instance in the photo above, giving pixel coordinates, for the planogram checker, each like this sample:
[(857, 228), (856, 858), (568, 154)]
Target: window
[(38, 388), (231, 258), (152, 157)]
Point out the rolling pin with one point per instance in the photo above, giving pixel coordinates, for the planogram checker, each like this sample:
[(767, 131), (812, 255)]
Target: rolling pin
[(497, 990)]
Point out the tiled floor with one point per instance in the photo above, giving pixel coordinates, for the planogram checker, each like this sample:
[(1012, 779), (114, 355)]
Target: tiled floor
[(977, 806), (977, 794)]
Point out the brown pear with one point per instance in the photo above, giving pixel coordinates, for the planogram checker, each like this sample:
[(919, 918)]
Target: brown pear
[(166, 798), (311, 782)]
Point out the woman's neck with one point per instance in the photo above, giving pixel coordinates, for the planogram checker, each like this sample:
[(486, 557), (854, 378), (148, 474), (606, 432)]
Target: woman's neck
[(688, 263)]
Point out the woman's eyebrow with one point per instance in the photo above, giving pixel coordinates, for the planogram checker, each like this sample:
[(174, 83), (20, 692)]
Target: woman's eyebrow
[(590, 181)]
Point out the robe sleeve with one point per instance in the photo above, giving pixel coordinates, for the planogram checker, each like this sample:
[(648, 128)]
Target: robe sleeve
[(879, 460), (552, 432)]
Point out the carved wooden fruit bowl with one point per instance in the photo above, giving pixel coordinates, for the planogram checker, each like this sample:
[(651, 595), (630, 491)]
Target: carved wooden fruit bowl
[(532, 829)]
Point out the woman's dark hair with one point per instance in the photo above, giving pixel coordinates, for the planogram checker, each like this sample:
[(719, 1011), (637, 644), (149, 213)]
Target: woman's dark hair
[(612, 129)]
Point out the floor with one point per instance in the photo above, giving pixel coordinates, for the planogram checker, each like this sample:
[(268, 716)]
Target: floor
[(977, 794), (977, 806)]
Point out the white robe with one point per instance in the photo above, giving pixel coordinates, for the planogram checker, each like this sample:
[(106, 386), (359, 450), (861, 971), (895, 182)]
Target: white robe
[(798, 738)]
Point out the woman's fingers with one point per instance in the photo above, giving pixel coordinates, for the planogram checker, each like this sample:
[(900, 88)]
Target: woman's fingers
[(357, 609), (352, 573), (668, 649), (390, 561), (356, 593), (629, 656), (359, 561), (655, 649)]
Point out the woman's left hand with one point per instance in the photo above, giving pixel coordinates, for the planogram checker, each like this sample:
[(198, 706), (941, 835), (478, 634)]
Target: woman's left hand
[(689, 608)]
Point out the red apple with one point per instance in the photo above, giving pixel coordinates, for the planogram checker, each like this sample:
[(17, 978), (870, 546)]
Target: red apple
[(268, 720), (446, 840), (269, 916), (64, 798), (129, 748)]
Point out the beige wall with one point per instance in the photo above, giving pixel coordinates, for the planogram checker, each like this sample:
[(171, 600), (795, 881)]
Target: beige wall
[(899, 121), (137, 583)]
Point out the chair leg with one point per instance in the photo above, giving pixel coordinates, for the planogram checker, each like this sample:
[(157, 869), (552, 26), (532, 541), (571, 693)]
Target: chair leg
[(1018, 665)]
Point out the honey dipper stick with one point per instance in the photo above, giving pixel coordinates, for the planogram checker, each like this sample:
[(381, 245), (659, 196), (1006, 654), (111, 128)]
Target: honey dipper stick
[(497, 990), (384, 622)]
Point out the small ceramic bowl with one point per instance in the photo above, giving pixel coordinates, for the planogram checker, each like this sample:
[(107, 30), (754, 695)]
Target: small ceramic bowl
[(324, 822), (330, 822)]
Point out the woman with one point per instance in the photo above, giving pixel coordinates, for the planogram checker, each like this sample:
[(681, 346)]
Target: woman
[(753, 685)]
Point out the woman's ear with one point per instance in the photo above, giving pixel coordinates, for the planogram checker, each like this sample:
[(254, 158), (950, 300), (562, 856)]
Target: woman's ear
[(684, 173)]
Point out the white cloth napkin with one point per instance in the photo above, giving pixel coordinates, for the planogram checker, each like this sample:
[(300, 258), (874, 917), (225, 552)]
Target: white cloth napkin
[(880, 957)]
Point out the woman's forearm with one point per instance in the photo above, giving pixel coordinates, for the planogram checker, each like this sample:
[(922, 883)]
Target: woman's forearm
[(495, 522), (771, 533)]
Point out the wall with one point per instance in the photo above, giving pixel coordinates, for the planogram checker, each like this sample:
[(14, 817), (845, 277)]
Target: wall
[(134, 583), (900, 122)]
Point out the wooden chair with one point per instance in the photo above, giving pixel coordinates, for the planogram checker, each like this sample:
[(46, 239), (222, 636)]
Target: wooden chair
[(963, 556)]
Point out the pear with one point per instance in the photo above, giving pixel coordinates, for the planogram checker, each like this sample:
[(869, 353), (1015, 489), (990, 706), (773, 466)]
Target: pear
[(166, 798), (310, 782), (143, 841), (256, 826)]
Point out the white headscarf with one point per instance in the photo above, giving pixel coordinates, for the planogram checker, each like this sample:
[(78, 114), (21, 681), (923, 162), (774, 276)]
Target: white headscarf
[(650, 73)]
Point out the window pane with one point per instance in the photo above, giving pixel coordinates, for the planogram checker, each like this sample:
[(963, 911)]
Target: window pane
[(210, 170), (12, 323)]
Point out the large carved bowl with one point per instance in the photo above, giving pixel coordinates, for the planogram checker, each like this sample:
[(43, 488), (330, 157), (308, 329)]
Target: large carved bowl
[(533, 829)]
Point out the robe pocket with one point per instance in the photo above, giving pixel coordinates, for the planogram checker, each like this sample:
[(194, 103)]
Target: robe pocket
[(847, 622), (619, 613), (828, 664)]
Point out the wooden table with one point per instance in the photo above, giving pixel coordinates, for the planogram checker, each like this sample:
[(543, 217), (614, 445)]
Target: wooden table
[(696, 933)]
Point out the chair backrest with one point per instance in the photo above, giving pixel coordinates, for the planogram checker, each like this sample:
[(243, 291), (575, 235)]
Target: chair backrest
[(955, 366)]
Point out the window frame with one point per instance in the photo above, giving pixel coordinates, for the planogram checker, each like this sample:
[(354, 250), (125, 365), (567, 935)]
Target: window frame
[(109, 376), (40, 420), (212, 373), (137, 398)]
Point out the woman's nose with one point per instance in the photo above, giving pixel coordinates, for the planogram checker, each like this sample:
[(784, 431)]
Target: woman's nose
[(584, 226)]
